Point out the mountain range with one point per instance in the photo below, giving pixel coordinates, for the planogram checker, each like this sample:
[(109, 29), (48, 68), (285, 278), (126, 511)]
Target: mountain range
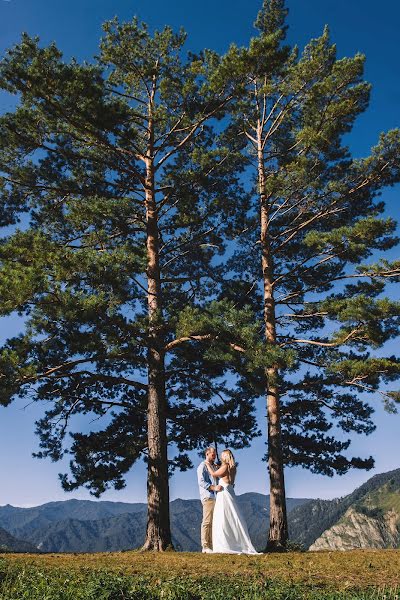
[(368, 517), (8, 543), (86, 526)]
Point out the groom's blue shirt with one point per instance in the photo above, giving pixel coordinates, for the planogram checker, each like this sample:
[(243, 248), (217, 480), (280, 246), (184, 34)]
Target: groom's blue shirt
[(205, 480)]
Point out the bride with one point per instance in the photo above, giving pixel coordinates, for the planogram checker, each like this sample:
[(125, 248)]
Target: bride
[(229, 529)]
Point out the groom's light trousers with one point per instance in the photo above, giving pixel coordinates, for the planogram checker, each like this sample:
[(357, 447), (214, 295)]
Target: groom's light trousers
[(206, 524)]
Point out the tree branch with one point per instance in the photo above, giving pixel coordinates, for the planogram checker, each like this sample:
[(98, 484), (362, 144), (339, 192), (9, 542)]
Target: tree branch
[(323, 344), (199, 338)]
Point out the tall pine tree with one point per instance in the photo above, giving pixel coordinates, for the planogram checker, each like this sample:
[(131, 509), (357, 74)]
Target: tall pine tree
[(300, 263), (116, 165)]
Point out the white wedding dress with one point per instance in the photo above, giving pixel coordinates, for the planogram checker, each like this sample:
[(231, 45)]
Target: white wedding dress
[(229, 530)]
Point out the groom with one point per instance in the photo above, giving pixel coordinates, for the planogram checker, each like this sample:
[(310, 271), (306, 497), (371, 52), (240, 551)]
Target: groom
[(207, 487)]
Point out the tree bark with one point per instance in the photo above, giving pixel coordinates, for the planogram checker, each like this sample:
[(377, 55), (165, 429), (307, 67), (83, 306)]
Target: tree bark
[(158, 533), (278, 529)]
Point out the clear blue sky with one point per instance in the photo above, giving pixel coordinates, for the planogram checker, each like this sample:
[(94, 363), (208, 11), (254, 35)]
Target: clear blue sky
[(75, 25)]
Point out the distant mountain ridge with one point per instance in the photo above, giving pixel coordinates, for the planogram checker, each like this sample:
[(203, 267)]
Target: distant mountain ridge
[(368, 517), (88, 526), (8, 543)]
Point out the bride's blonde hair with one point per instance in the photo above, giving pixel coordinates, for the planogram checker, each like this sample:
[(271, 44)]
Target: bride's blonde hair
[(227, 458)]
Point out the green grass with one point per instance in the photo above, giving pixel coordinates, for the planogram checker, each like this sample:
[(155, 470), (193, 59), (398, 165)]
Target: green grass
[(180, 576), (33, 584), (385, 498)]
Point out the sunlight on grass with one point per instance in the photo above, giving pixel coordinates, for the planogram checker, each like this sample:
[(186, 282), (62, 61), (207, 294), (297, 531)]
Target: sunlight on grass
[(355, 575)]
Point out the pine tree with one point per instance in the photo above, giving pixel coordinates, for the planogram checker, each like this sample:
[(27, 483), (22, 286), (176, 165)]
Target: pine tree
[(114, 273), (315, 219)]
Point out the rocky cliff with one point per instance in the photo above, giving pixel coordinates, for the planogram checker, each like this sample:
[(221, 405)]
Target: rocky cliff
[(372, 522)]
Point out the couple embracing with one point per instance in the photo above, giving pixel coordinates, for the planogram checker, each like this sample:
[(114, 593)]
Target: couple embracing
[(223, 528)]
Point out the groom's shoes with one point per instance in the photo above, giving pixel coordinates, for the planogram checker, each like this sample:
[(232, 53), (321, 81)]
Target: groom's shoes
[(207, 550)]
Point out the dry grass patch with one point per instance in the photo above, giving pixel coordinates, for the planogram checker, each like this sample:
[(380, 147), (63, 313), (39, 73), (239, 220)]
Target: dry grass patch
[(334, 570)]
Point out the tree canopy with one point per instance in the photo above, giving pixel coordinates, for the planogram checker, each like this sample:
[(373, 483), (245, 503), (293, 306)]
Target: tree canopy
[(310, 259), (112, 161)]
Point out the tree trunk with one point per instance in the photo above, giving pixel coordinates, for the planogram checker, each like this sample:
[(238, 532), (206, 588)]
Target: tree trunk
[(278, 529), (158, 534)]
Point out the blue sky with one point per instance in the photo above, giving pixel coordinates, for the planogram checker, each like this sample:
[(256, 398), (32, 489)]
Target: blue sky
[(76, 26)]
